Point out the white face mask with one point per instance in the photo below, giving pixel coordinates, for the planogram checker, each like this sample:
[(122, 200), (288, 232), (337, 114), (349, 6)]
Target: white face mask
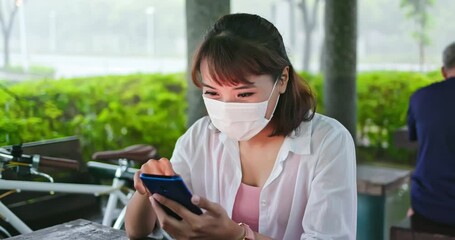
[(239, 121)]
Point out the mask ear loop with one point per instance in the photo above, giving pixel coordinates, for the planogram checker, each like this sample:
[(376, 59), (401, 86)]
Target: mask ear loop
[(270, 96), (273, 89)]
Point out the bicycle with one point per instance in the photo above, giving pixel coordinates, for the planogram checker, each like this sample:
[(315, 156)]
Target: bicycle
[(117, 192), (121, 174)]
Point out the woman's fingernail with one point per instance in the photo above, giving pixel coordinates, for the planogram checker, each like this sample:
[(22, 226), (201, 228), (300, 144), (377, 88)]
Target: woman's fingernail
[(195, 199), (156, 196)]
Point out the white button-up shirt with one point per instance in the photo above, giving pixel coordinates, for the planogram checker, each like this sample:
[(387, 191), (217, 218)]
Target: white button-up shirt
[(310, 193)]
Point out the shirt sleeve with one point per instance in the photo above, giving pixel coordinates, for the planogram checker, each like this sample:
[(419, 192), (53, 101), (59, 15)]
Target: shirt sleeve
[(411, 122), (180, 157), (331, 211)]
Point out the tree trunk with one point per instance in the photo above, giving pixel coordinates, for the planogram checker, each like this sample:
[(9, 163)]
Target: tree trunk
[(307, 49), (309, 23), (322, 56), (340, 97), (292, 23), (421, 55), (5, 50), (200, 16), (6, 25), (307, 35), (422, 46)]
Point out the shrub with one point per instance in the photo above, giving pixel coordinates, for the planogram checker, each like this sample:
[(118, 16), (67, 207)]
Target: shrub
[(108, 112), (112, 112), (382, 102)]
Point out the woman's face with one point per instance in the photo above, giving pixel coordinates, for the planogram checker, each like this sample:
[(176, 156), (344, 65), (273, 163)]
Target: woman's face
[(259, 90)]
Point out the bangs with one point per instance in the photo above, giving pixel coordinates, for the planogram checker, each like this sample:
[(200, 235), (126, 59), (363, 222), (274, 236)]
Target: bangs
[(231, 61)]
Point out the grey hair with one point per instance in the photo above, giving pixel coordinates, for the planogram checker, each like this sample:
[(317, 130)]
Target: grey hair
[(448, 56)]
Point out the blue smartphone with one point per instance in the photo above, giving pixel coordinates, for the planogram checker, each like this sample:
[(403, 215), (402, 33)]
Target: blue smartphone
[(171, 187)]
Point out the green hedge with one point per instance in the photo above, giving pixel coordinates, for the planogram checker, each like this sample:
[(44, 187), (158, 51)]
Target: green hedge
[(382, 106), (116, 111), (107, 112)]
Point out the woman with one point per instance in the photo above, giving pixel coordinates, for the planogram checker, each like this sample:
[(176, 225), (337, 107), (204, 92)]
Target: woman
[(262, 165)]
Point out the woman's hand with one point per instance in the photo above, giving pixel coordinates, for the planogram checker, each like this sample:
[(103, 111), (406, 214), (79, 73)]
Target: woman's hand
[(157, 167), (214, 223), (140, 219)]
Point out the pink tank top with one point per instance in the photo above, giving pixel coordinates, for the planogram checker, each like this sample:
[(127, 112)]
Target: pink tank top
[(246, 206)]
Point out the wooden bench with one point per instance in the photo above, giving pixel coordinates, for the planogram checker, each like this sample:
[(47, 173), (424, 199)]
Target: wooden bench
[(403, 230)]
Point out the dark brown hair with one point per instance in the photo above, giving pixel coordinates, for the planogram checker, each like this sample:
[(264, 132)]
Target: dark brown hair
[(241, 45)]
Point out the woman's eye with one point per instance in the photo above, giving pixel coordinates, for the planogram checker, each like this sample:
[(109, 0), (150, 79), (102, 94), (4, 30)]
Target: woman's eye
[(210, 93), (242, 95)]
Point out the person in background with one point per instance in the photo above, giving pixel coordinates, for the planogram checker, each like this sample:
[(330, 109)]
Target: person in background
[(263, 164), (431, 122)]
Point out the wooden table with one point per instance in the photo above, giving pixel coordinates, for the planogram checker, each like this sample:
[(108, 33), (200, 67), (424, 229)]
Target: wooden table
[(77, 229), (379, 202), (401, 140)]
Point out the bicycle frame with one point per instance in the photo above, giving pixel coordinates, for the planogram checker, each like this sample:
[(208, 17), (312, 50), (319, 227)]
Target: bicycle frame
[(123, 172), (114, 192)]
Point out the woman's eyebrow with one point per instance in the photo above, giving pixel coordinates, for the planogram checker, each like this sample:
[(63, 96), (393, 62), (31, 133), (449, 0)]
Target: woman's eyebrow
[(245, 86), (206, 85)]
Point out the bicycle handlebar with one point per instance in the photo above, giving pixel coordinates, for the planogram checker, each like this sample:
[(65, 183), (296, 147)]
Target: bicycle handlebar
[(55, 162), (44, 161)]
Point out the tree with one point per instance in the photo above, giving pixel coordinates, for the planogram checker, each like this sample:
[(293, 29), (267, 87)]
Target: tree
[(6, 24), (340, 46), (309, 23), (417, 10), (291, 23), (200, 16)]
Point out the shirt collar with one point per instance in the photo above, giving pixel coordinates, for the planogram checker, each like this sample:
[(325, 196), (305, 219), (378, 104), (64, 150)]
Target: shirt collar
[(300, 139)]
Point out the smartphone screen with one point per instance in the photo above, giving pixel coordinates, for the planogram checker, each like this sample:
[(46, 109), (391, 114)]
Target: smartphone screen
[(171, 187)]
